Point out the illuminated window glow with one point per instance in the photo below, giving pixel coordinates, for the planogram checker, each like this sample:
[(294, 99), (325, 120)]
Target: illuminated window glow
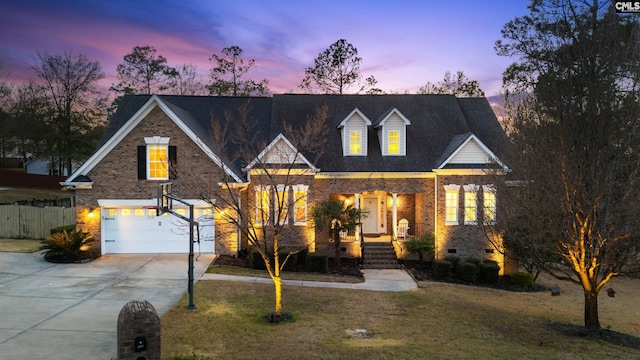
[(394, 142), (300, 204), (355, 142), (282, 204), (262, 204), (489, 204), (471, 204), (157, 156), (451, 204)]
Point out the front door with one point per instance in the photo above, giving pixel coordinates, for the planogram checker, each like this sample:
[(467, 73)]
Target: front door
[(370, 217)]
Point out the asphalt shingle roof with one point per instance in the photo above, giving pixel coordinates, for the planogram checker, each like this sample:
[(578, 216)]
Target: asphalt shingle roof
[(436, 122)]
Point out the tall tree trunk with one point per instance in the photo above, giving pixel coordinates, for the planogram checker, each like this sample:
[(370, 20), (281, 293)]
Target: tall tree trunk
[(277, 282), (591, 321)]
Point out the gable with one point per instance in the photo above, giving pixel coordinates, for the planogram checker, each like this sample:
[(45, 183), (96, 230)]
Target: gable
[(280, 152), (468, 151), (154, 102)]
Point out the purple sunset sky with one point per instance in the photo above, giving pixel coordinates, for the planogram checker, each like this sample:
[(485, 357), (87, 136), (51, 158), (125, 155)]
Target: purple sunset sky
[(403, 43)]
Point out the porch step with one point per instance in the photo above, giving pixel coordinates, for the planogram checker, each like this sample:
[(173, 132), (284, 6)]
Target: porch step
[(380, 255)]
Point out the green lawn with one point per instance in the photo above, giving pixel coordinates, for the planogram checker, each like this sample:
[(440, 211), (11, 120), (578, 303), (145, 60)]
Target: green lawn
[(437, 321)]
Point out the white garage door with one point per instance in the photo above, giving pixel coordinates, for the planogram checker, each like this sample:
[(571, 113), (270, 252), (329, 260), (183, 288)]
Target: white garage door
[(137, 230)]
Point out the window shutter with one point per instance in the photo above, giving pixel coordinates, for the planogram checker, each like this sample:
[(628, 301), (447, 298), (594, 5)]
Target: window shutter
[(142, 162), (173, 159)]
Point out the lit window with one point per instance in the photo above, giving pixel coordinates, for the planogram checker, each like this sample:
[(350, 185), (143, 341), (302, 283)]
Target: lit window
[(262, 204), (489, 204), (182, 212), (394, 142), (111, 212), (207, 212), (471, 204), (138, 212), (157, 156), (125, 212), (300, 204), (451, 204), (282, 205), (355, 142)]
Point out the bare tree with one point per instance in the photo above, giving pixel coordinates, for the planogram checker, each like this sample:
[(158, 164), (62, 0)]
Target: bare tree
[(265, 207), (187, 81), (575, 141), (227, 73), (70, 81), (336, 69), (459, 86)]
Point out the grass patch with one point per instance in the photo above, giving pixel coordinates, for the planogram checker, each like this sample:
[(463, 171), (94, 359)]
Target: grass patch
[(286, 275), (440, 321), (20, 245)]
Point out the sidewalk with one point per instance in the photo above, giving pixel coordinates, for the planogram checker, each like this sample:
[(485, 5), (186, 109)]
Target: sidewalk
[(375, 280)]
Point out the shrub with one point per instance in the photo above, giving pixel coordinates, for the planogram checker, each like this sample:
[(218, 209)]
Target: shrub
[(522, 279), (441, 269), (291, 264), (473, 260), (454, 260), (466, 271), (421, 246), (489, 272), (67, 246), (255, 261), (317, 263), (60, 229), (302, 257)]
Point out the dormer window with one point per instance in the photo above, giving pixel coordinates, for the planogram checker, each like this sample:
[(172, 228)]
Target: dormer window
[(354, 134), (392, 132), (355, 142), (394, 142)]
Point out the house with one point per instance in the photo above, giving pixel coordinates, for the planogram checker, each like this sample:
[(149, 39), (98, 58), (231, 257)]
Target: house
[(41, 166), (425, 160)]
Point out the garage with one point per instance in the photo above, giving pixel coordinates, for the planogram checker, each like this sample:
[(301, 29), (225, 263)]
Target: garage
[(132, 227)]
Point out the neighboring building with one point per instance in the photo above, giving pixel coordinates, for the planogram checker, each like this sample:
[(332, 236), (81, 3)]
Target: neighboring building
[(41, 166), (419, 158)]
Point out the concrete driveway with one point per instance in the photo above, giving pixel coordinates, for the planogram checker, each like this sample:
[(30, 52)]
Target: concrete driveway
[(70, 311)]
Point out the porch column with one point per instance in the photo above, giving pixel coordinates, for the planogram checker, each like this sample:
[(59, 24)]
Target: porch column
[(357, 196), (394, 215)]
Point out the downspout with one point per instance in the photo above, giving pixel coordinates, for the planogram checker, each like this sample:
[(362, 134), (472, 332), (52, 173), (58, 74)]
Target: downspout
[(435, 217)]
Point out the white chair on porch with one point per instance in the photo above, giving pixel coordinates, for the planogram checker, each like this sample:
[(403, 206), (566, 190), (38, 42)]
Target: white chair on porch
[(403, 228)]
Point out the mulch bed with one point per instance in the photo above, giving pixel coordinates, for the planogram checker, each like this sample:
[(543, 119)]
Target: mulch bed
[(348, 267), (610, 336), (422, 272)]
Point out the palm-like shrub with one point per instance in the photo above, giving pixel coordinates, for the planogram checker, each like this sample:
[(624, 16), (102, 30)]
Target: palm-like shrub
[(67, 246), (423, 245)]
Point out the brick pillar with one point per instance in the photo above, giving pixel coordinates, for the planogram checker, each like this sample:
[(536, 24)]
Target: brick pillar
[(138, 331)]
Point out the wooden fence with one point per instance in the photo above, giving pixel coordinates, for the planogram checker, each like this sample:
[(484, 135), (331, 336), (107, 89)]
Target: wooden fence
[(29, 222), (20, 179)]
